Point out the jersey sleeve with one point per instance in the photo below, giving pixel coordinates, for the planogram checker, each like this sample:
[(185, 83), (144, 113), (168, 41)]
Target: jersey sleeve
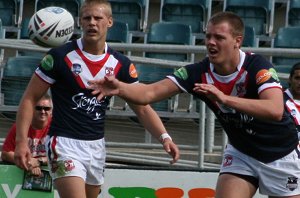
[(47, 68), (264, 74), (10, 143), (185, 77), (127, 72)]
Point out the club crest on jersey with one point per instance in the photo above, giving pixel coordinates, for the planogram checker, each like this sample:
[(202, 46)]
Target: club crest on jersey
[(76, 69), (109, 71), (240, 89), (292, 183), (293, 113)]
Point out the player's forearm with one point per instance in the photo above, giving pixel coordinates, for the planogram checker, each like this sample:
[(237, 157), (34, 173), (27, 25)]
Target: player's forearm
[(150, 120), (136, 93), (259, 108)]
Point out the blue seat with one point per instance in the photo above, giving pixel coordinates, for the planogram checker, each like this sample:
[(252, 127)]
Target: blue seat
[(250, 39), (132, 12), (24, 28), (191, 12), (164, 33), (256, 13), (16, 75), (286, 37), (119, 33), (21, 66), (10, 11), (293, 13)]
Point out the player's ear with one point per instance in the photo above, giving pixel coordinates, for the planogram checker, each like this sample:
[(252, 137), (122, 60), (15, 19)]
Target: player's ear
[(239, 41), (110, 22)]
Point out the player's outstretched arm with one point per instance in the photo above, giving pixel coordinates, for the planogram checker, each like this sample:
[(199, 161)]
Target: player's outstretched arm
[(137, 93)]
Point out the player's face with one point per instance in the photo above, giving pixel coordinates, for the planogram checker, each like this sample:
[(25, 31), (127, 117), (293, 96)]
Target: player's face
[(295, 84), (95, 21), (222, 47), (43, 111)]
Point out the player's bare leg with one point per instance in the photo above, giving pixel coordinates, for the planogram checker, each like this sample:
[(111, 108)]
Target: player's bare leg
[(231, 186), (70, 187), (92, 191)]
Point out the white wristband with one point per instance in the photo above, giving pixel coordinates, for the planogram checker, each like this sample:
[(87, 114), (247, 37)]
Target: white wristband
[(164, 136)]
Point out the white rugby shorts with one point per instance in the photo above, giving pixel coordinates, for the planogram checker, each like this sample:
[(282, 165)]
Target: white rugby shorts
[(72, 157), (277, 178)]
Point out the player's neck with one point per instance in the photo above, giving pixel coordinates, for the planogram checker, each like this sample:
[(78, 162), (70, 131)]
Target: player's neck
[(92, 48)]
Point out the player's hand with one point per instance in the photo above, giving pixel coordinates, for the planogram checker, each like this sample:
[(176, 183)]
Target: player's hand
[(172, 149), (209, 91), (22, 156), (36, 171), (107, 86)]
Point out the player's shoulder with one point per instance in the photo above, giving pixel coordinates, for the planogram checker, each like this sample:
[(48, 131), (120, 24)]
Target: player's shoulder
[(256, 60), (123, 59), (63, 49)]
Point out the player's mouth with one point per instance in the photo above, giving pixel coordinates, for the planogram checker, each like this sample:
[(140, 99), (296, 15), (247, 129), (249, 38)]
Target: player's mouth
[(212, 52), (91, 31)]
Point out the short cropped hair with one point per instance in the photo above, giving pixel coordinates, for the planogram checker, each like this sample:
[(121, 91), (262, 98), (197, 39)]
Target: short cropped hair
[(94, 2), (233, 19)]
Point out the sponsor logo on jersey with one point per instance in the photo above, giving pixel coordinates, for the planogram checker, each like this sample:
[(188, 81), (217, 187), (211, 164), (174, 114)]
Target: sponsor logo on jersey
[(274, 74), (181, 73), (76, 69), (263, 76), (132, 71), (47, 62), (90, 105)]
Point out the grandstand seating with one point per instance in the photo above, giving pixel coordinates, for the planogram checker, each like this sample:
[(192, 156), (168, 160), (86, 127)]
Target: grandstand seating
[(250, 39), (119, 32), (11, 14), (286, 37), (191, 12), (256, 13), (16, 75), (132, 12), (165, 33), (24, 28), (292, 13)]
